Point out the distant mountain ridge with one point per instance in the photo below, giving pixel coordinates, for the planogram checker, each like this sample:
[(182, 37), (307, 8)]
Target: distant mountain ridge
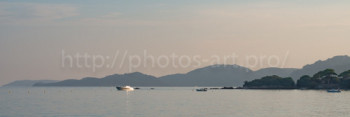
[(133, 79), (27, 83), (214, 75), (338, 63)]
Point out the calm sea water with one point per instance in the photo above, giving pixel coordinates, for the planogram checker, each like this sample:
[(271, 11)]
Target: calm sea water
[(170, 102)]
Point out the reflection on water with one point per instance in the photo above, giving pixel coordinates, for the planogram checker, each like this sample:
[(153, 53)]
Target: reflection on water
[(170, 102), (127, 103)]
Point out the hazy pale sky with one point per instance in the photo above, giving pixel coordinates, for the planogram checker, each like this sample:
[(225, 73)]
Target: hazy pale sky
[(34, 34)]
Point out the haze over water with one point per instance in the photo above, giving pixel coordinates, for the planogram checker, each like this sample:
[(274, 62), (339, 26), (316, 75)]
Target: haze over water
[(37, 35), (170, 102), (174, 43)]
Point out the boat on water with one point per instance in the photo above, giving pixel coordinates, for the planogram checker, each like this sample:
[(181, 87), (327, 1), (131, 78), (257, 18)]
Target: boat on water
[(202, 89), (333, 90), (125, 88)]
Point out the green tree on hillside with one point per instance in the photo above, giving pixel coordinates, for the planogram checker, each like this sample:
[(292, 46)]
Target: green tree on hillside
[(345, 74), (307, 82), (271, 82), (345, 80), (327, 76)]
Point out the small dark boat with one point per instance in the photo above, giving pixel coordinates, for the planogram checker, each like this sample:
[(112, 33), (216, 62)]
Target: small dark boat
[(333, 90), (227, 88), (202, 89)]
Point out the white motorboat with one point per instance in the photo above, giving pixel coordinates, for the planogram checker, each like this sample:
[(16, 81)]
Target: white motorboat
[(125, 88)]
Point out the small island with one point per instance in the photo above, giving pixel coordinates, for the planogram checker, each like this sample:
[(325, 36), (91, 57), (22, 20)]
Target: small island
[(270, 82), (326, 79)]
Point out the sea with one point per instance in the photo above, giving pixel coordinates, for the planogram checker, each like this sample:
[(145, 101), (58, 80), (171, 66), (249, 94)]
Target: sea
[(169, 102)]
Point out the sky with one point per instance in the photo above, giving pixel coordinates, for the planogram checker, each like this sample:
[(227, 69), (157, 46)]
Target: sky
[(57, 40)]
